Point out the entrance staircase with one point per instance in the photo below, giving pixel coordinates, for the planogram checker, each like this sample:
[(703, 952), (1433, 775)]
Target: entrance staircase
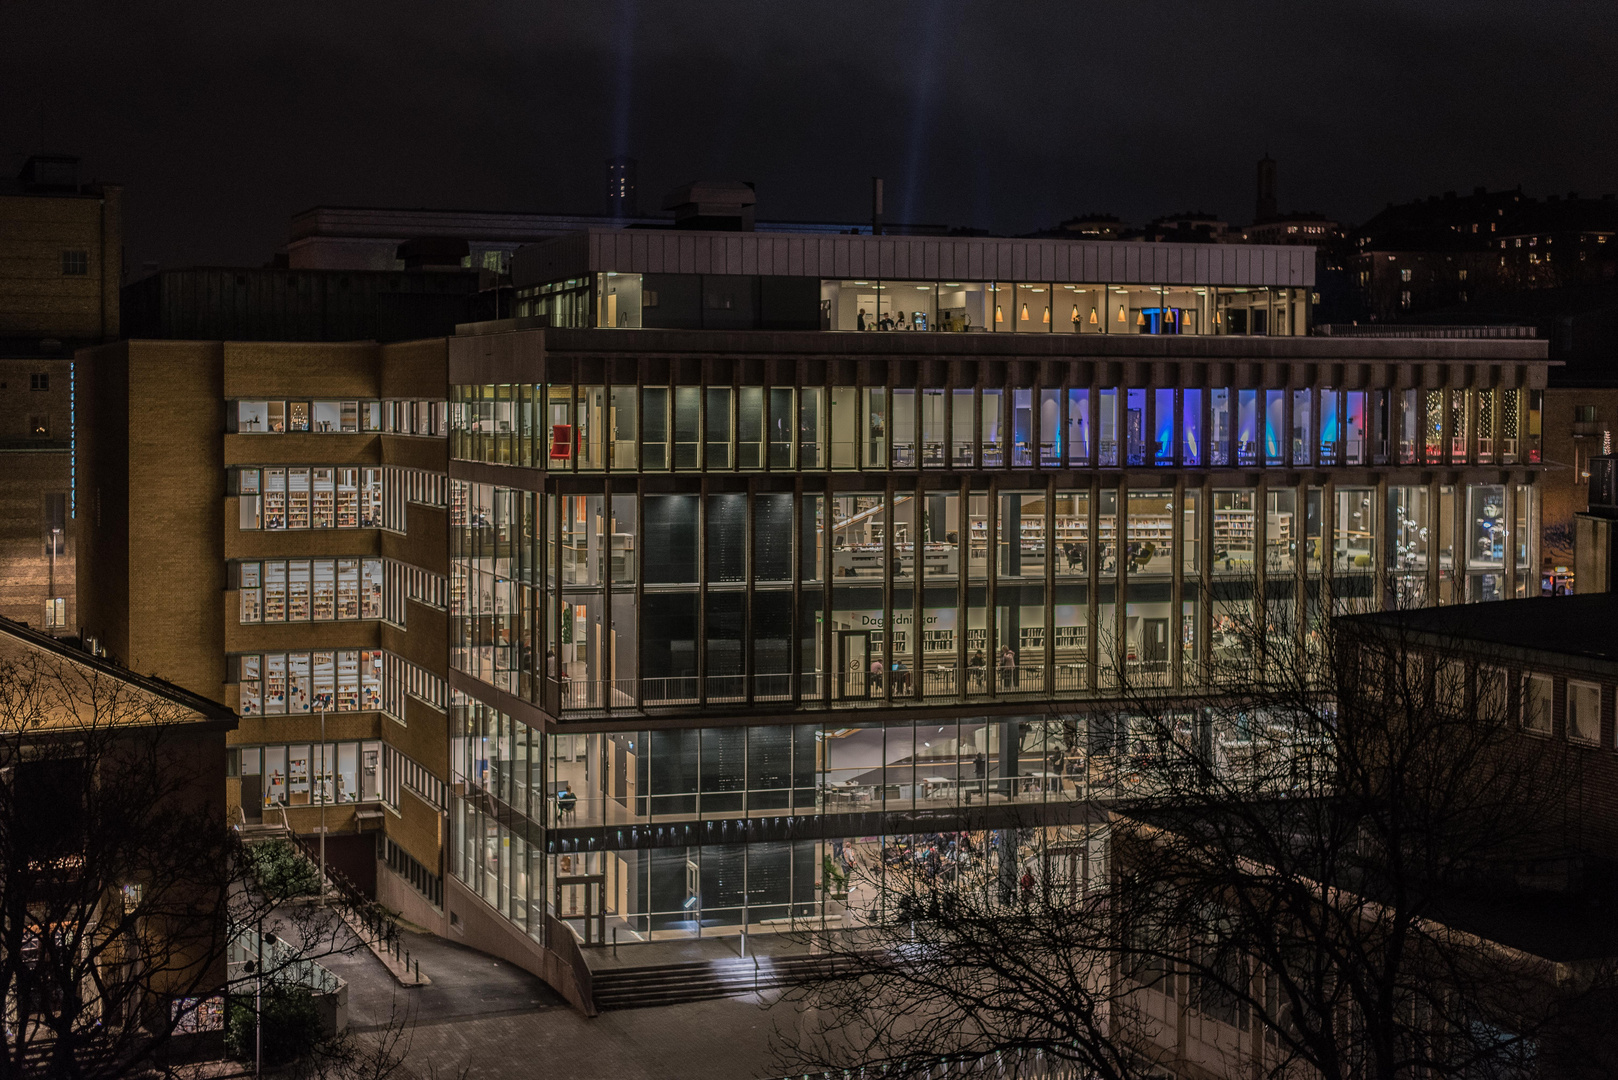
[(701, 980)]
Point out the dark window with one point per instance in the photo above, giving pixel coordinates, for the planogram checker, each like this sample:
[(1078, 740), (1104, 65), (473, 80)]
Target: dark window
[(39, 427), (75, 262), (1585, 414), (670, 536), (39, 380), (727, 537), (49, 796)]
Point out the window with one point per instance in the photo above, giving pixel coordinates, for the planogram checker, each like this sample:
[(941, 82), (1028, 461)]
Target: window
[(305, 498), (342, 772), (75, 263), (56, 613), (39, 380), (1536, 714), (1404, 275), (301, 590), (39, 427), (300, 683), (1583, 711), (1404, 298), (1584, 414)]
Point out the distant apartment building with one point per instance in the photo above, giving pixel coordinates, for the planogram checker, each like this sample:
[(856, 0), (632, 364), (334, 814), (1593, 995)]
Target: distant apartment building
[(61, 255)]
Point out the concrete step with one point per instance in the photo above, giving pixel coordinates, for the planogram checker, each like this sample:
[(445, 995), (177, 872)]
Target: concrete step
[(669, 984)]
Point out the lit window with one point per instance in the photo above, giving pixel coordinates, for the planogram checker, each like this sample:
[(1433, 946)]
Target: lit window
[(1536, 706), (1583, 711)]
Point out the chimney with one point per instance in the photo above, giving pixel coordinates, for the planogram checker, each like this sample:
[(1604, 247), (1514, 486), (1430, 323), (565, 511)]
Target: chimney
[(1265, 207), (622, 201)]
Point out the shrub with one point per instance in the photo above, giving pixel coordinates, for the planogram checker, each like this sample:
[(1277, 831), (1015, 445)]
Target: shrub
[(282, 871)]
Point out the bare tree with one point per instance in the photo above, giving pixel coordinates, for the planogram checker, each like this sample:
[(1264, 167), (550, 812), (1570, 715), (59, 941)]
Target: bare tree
[(1295, 848), (121, 883)]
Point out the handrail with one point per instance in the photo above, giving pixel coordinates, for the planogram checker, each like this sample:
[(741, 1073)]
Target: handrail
[(562, 944)]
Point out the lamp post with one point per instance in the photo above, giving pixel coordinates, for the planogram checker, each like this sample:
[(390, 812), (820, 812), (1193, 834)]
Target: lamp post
[(325, 795), (258, 1000)]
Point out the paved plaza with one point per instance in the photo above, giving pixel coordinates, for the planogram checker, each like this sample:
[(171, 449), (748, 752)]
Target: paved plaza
[(496, 1020)]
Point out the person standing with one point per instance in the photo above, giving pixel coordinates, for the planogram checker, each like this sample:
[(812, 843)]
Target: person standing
[(859, 320), (1008, 668)]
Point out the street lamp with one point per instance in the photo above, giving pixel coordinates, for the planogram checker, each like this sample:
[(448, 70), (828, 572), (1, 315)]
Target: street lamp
[(325, 795), (256, 969)]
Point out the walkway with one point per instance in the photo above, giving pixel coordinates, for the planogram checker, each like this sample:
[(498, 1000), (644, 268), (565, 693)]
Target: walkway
[(497, 1020)]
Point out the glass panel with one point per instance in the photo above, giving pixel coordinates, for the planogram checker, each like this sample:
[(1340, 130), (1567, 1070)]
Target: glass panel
[(1233, 531), (655, 448), (1072, 551), (1163, 426), (1079, 448), (1458, 429), (750, 427), (1280, 525), (783, 424), (687, 427), (845, 427), (874, 419), (1486, 525), (1275, 406), (1354, 429), (1191, 427), (1301, 440), (1510, 425), (993, 448), (1034, 308), (811, 430), (1433, 446), (720, 428), (1135, 427), (902, 429), (623, 424), (591, 431), (1190, 535), (1219, 426), (1486, 411), (1247, 430), (1051, 430), (1022, 428), (963, 414), (1107, 428), (933, 432)]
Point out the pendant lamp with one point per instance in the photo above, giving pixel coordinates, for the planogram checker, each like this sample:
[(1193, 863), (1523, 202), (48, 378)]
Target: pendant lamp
[(1140, 317), (1219, 318), (999, 316), (1168, 315), (1093, 321), (1046, 318), (1024, 315), (1120, 313), (1076, 315)]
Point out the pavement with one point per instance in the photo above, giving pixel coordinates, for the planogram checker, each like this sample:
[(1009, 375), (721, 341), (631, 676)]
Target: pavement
[(491, 1019)]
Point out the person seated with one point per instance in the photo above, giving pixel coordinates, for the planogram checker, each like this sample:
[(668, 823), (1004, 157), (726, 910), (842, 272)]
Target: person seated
[(566, 802)]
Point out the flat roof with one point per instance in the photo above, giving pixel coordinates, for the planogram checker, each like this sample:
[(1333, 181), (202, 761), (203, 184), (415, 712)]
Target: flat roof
[(912, 258), (1580, 629)]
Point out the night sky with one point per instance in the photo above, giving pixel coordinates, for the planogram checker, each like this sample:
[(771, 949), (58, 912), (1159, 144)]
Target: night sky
[(224, 119)]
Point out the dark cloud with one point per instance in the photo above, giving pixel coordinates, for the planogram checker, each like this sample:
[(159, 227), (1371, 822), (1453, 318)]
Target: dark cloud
[(224, 120)]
